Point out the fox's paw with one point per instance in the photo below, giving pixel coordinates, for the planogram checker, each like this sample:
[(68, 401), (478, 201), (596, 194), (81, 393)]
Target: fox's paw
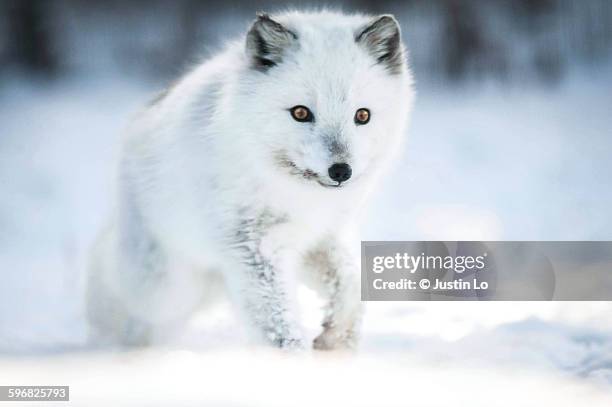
[(335, 339), (285, 342), (291, 344)]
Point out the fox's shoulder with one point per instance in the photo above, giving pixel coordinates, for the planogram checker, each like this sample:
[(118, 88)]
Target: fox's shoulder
[(209, 76), (192, 99)]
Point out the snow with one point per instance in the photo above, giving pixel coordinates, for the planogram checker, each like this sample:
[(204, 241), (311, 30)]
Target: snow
[(482, 162), (260, 378)]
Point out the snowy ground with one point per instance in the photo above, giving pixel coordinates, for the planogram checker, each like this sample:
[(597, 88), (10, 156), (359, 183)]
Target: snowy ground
[(515, 162)]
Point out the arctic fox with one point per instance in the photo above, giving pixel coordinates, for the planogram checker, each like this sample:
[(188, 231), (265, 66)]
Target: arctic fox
[(249, 174)]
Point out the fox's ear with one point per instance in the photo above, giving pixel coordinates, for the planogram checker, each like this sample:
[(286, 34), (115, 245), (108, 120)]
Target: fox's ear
[(381, 39), (267, 41)]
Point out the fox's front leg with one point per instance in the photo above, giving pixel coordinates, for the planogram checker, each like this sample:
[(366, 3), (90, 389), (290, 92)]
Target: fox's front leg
[(264, 285), (336, 268)]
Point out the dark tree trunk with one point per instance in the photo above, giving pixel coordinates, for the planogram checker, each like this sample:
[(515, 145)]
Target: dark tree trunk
[(462, 39), (30, 36)]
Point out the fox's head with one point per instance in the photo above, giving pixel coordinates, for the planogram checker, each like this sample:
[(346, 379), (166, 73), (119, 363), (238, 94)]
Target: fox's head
[(330, 94)]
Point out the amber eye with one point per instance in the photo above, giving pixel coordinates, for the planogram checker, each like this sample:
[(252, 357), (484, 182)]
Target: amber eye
[(301, 114), (362, 116)]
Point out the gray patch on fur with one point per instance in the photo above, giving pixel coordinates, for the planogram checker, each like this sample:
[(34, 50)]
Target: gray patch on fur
[(267, 42), (337, 148), (162, 95), (250, 230), (283, 161), (381, 38), (158, 98)]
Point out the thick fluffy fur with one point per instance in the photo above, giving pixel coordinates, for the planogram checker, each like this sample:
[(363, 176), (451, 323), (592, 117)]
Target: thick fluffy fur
[(220, 187)]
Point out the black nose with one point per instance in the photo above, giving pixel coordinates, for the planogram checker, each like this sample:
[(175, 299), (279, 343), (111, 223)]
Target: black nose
[(340, 172)]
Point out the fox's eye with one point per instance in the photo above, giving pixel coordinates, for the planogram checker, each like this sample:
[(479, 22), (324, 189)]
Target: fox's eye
[(301, 114), (362, 116)]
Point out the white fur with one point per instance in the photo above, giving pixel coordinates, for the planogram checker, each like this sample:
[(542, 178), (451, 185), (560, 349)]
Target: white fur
[(203, 200)]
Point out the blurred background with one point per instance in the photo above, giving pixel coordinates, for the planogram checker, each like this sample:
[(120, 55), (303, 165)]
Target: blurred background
[(450, 40), (511, 140)]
